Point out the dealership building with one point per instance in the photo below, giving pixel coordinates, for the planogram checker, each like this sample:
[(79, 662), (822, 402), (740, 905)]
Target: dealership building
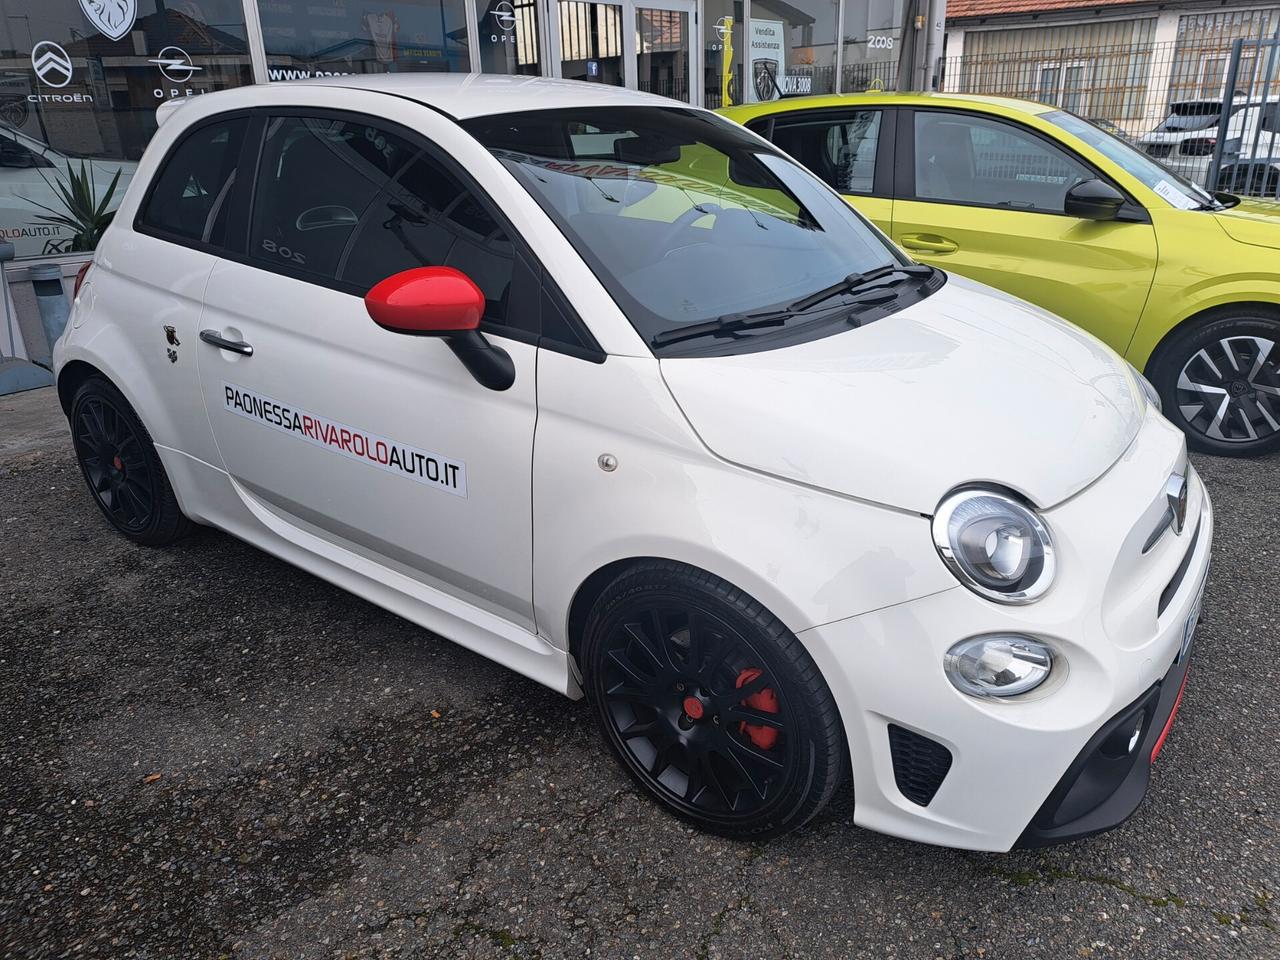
[(81, 79)]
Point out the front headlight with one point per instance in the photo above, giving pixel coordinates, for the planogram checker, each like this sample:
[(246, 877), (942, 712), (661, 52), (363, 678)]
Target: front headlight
[(1001, 665), (1148, 389), (995, 546)]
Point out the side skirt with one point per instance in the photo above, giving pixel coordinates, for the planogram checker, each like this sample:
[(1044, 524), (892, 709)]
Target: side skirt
[(208, 495)]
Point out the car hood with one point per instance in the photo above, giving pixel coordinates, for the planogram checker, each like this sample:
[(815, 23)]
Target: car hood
[(1256, 222), (968, 385)]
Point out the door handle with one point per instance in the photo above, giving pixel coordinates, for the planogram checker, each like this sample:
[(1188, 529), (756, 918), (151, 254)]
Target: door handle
[(222, 343), (929, 243)]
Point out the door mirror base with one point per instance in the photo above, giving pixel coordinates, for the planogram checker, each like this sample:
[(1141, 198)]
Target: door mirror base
[(489, 364)]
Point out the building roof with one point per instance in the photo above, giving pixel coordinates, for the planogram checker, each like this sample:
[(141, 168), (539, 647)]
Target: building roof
[(966, 9)]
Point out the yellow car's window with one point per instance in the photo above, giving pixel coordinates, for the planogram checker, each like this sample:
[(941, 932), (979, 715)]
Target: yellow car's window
[(967, 159)]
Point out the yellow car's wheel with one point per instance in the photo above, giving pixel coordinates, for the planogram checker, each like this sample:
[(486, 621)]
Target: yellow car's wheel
[(1220, 382)]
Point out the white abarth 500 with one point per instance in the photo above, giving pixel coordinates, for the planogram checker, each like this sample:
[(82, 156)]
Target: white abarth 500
[(609, 390)]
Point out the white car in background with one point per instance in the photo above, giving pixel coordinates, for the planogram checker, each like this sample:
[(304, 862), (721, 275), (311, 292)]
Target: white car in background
[(29, 169), (1186, 140), (609, 390)]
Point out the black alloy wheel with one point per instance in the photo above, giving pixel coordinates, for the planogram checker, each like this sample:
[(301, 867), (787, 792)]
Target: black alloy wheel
[(1220, 383), (710, 703), (121, 467)]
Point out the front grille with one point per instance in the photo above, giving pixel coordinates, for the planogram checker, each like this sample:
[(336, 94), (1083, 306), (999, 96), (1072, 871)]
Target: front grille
[(919, 764), (1171, 589), (1158, 149)]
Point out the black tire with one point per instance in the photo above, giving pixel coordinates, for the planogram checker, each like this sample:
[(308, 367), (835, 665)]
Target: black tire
[(121, 467), (712, 706), (1219, 381)]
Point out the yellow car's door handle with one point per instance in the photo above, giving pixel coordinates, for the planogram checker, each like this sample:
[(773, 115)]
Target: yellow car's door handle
[(929, 243)]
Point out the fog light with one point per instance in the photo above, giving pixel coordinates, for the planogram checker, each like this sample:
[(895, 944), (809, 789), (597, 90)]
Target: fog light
[(1126, 737), (1000, 665)]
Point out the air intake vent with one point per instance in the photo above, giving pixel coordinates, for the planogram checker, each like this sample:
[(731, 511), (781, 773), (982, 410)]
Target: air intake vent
[(919, 764)]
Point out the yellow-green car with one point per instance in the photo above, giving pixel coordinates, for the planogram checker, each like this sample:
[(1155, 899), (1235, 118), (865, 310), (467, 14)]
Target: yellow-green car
[(1046, 206)]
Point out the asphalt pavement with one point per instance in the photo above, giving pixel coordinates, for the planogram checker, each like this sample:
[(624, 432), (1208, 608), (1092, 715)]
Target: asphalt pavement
[(206, 753)]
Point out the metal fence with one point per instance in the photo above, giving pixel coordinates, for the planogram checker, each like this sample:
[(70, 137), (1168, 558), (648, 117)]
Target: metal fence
[(1131, 87), (1246, 150), (1204, 105)]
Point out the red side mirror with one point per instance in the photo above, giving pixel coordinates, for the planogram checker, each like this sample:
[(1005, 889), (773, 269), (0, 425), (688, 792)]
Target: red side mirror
[(426, 301)]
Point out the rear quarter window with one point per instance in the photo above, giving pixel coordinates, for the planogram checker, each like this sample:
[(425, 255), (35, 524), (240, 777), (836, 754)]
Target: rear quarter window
[(188, 198)]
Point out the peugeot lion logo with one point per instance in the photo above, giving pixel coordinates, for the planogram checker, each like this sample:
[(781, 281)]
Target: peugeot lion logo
[(114, 18), (175, 63), (51, 64), (504, 15)]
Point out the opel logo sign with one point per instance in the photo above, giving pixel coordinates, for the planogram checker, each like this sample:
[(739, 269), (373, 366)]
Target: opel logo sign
[(504, 15), (175, 63), (1175, 492), (51, 64)]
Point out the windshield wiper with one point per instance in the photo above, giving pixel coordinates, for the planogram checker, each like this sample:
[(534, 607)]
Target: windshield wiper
[(724, 326), (878, 279), (889, 273)]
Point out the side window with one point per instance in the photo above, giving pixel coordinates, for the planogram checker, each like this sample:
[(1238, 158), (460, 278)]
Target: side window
[(966, 159), (15, 155), (839, 150), (1271, 118), (427, 218), (194, 182), (317, 179)]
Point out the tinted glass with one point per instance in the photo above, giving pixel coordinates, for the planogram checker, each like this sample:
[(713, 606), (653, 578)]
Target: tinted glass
[(79, 86), (189, 198), (317, 180), (1192, 115), (337, 39), (840, 150), (1271, 118), (689, 218), (966, 159), (426, 218)]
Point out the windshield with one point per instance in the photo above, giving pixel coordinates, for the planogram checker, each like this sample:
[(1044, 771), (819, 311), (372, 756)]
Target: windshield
[(1172, 188), (1192, 115), (683, 216)]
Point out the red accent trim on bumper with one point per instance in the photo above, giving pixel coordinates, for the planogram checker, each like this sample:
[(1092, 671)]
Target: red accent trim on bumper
[(1168, 724)]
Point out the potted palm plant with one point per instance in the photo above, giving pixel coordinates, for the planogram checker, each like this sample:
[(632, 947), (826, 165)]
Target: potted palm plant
[(86, 214)]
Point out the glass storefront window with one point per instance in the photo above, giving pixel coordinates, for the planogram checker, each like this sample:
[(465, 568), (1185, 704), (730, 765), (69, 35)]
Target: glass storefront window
[(509, 37), (591, 42), (80, 81), (722, 44), (662, 52), (872, 31), (792, 48), (310, 39)]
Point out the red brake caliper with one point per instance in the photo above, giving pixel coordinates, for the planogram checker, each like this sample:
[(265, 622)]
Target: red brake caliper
[(766, 701)]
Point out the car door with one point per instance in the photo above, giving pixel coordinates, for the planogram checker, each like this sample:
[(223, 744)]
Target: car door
[(850, 149), (984, 196), (334, 428)]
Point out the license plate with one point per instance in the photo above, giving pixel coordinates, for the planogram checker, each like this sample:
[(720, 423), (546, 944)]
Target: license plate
[(1189, 625)]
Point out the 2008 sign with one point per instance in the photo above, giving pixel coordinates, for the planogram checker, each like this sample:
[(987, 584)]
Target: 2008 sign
[(270, 246)]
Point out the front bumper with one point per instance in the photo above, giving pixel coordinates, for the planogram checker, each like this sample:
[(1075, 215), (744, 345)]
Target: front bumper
[(1105, 784), (933, 765)]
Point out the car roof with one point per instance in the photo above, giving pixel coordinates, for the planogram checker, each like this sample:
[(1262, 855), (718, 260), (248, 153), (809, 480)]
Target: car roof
[(463, 95), (878, 98)]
